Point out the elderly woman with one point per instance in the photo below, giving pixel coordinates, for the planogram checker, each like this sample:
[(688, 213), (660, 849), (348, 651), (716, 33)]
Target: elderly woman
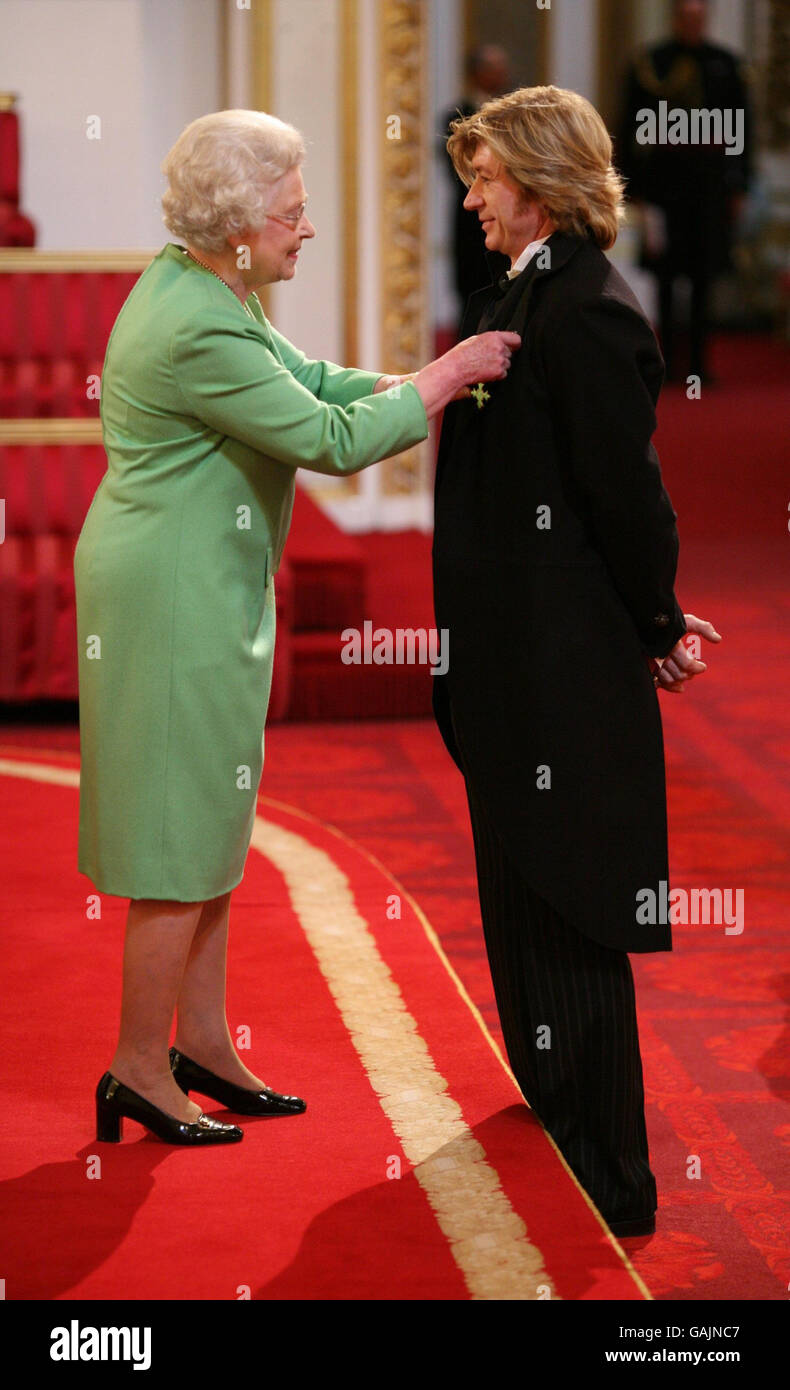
[(207, 412)]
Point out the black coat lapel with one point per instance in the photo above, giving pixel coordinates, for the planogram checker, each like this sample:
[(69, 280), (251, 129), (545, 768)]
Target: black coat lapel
[(512, 313), (498, 265), (503, 310)]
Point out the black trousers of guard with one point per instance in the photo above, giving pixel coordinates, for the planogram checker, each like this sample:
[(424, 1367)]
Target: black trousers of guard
[(586, 1087)]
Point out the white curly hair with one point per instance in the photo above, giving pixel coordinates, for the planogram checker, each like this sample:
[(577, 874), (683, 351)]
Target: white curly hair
[(220, 172)]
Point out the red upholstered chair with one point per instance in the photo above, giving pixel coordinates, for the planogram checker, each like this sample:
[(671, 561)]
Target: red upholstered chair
[(47, 489), (15, 228), (56, 314), (54, 328), (282, 677)]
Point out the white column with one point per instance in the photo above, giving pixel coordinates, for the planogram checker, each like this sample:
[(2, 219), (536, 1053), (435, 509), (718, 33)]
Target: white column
[(238, 43), (305, 93), (573, 38)]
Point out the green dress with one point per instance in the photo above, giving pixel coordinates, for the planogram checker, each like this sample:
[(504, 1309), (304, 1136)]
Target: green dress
[(206, 413)]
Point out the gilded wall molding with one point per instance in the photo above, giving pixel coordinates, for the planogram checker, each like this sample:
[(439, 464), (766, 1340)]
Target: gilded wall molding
[(403, 117), (348, 137), (349, 141), (262, 85), (26, 259), (54, 430)]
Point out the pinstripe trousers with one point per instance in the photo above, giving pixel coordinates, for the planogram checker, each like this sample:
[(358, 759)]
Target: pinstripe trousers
[(582, 1077)]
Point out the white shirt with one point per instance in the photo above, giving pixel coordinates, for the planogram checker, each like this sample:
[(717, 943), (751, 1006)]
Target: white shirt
[(525, 256)]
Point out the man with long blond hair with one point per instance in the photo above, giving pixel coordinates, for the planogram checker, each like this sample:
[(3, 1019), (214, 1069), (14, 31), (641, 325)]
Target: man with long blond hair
[(555, 553)]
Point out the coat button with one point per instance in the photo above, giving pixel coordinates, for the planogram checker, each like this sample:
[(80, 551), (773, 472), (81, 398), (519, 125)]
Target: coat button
[(661, 619)]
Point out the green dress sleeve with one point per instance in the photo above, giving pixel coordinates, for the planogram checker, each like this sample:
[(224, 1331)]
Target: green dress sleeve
[(326, 380), (232, 380)]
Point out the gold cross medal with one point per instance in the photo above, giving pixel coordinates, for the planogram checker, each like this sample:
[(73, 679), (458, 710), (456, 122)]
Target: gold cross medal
[(480, 395)]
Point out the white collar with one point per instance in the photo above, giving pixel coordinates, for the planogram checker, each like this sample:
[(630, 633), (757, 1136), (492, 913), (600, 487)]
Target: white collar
[(525, 256)]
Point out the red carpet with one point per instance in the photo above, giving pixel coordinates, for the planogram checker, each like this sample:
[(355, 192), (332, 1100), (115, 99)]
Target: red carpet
[(713, 1013), (416, 1172)]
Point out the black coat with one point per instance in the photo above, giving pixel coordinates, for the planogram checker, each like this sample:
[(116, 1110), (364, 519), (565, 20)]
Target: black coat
[(550, 627)]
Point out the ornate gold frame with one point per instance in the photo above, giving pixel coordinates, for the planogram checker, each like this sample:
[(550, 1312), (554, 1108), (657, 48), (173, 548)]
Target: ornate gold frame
[(402, 48), (349, 137), (261, 84)]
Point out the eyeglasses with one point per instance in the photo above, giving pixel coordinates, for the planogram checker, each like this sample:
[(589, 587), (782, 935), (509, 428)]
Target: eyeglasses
[(291, 219)]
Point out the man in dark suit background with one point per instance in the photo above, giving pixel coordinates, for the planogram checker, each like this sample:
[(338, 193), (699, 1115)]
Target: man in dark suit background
[(487, 73), (697, 189), (555, 552)]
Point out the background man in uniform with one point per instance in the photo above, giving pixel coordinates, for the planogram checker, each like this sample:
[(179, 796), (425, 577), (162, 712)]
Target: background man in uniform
[(696, 189)]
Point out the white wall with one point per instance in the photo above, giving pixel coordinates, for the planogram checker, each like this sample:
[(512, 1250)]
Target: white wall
[(145, 67), (572, 46), (181, 80), (306, 38)]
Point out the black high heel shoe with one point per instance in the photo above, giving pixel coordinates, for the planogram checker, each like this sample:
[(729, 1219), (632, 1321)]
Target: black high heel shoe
[(114, 1100), (192, 1077)]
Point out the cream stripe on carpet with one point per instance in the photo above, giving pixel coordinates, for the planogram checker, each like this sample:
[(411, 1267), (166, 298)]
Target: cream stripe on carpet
[(487, 1238)]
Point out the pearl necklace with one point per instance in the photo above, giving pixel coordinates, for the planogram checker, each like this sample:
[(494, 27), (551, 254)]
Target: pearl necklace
[(187, 252)]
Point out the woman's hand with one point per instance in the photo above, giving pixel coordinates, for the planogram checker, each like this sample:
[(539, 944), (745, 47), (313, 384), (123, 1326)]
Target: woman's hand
[(672, 671), (484, 357)]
